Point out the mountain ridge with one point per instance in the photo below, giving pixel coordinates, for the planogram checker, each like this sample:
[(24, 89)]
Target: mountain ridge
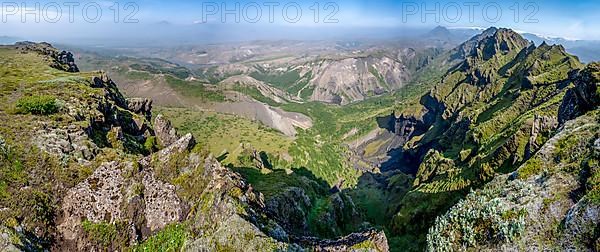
[(487, 116)]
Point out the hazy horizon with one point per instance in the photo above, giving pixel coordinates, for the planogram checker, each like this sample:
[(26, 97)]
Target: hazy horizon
[(149, 22)]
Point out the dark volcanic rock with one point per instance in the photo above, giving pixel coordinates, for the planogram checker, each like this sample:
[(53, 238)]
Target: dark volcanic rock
[(584, 96), (141, 106), (291, 208), (66, 59)]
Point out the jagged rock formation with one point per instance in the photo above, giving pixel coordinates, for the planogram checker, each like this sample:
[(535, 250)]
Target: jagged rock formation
[(141, 106), (165, 133), (585, 94)]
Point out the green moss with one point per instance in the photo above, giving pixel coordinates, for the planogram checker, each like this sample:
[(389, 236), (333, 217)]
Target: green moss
[(170, 239), (235, 192), (532, 167), (593, 181), (102, 233), (366, 245), (114, 142), (547, 202), (138, 189), (594, 196), (224, 247), (567, 149), (151, 145), (37, 105), (513, 214), (171, 169)]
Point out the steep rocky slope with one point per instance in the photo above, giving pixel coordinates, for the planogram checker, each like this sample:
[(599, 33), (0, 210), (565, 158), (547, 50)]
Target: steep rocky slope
[(339, 76), (342, 81), (548, 203), (491, 114), (488, 115), (349, 77), (84, 168)]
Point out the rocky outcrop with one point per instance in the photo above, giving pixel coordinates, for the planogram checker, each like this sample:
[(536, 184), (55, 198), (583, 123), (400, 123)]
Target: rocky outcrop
[(226, 217), (61, 60), (233, 216), (408, 126), (581, 225), (11, 241), (97, 199), (165, 132), (142, 106), (163, 206), (290, 208), (542, 126), (125, 192), (70, 141), (187, 142), (584, 96), (66, 60)]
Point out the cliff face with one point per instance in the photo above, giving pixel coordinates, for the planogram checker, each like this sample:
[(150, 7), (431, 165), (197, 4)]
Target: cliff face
[(584, 96), (84, 168), (354, 79)]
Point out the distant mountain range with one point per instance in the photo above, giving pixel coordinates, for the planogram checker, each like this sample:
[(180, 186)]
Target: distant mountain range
[(586, 50), (168, 34), (6, 40)]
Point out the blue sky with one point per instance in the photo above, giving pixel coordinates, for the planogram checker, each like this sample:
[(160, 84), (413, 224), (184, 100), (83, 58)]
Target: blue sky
[(575, 20)]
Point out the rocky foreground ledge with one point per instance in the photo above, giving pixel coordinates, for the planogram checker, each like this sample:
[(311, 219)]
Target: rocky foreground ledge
[(131, 180)]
